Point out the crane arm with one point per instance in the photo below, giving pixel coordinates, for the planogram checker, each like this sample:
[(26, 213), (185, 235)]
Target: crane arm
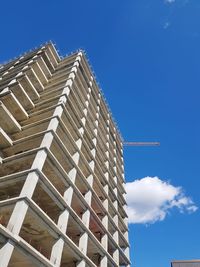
[(141, 144)]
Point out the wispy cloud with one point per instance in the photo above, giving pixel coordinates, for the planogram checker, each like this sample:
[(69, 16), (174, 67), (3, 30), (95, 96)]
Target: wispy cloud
[(150, 199), (166, 25), (182, 2), (170, 1), (172, 6)]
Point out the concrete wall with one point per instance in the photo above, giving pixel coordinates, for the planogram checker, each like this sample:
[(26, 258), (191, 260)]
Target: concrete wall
[(186, 264)]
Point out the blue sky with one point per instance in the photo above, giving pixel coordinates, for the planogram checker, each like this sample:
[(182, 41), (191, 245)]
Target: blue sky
[(146, 54)]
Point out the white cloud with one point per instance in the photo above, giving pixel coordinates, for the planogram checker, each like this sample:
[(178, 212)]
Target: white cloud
[(182, 2), (166, 25), (169, 1), (150, 199)]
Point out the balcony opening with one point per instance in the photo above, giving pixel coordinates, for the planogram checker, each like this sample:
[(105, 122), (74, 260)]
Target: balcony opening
[(36, 232), (42, 198)]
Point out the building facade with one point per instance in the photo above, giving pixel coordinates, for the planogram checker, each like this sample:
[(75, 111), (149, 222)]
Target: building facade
[(62, 195), (190, 263)]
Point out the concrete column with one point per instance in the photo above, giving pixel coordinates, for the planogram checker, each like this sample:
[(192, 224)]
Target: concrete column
[(127, 252), (64, 217), (116, 237), (56, 253), (115, 169), (104, 261), (81, 264), (92, 163), (105, 204), (85, 111), (104, 242), (115, 203), (76, 157), (115, 179), (116, 220), (79, 143), (57, 249), (116, 256), (6, 253), (126, 221), (83, 241), (106, 176), (21, 207), (105, 221), (106, 189), (107, 164)]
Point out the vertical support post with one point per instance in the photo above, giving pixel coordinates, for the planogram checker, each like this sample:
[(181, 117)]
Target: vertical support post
[(68, 195), (6, 253)]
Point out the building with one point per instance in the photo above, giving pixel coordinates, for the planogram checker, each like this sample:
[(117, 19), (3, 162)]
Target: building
[(189, 263), (62, 193)]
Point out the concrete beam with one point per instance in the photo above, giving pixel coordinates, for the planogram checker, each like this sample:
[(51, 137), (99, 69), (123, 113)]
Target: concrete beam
[(21, 95), (8, 122), (5, 140), (28, 87), (13, 105)]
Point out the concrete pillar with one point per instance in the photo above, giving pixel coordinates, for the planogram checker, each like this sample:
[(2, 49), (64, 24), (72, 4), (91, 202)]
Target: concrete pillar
[(63, 218), (127, 252), (56, 253), (81, 264), (106, 188), (105, 221), (126, 235), (116, 256), (104, 261), (21, 207), (83, 243), (6, 253), (57, 248), (104, 241), (116, 220), (116, 237), (105, 204)]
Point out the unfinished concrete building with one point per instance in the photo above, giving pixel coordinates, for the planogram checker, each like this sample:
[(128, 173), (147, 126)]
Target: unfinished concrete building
[(189, 263), (62, 193)]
